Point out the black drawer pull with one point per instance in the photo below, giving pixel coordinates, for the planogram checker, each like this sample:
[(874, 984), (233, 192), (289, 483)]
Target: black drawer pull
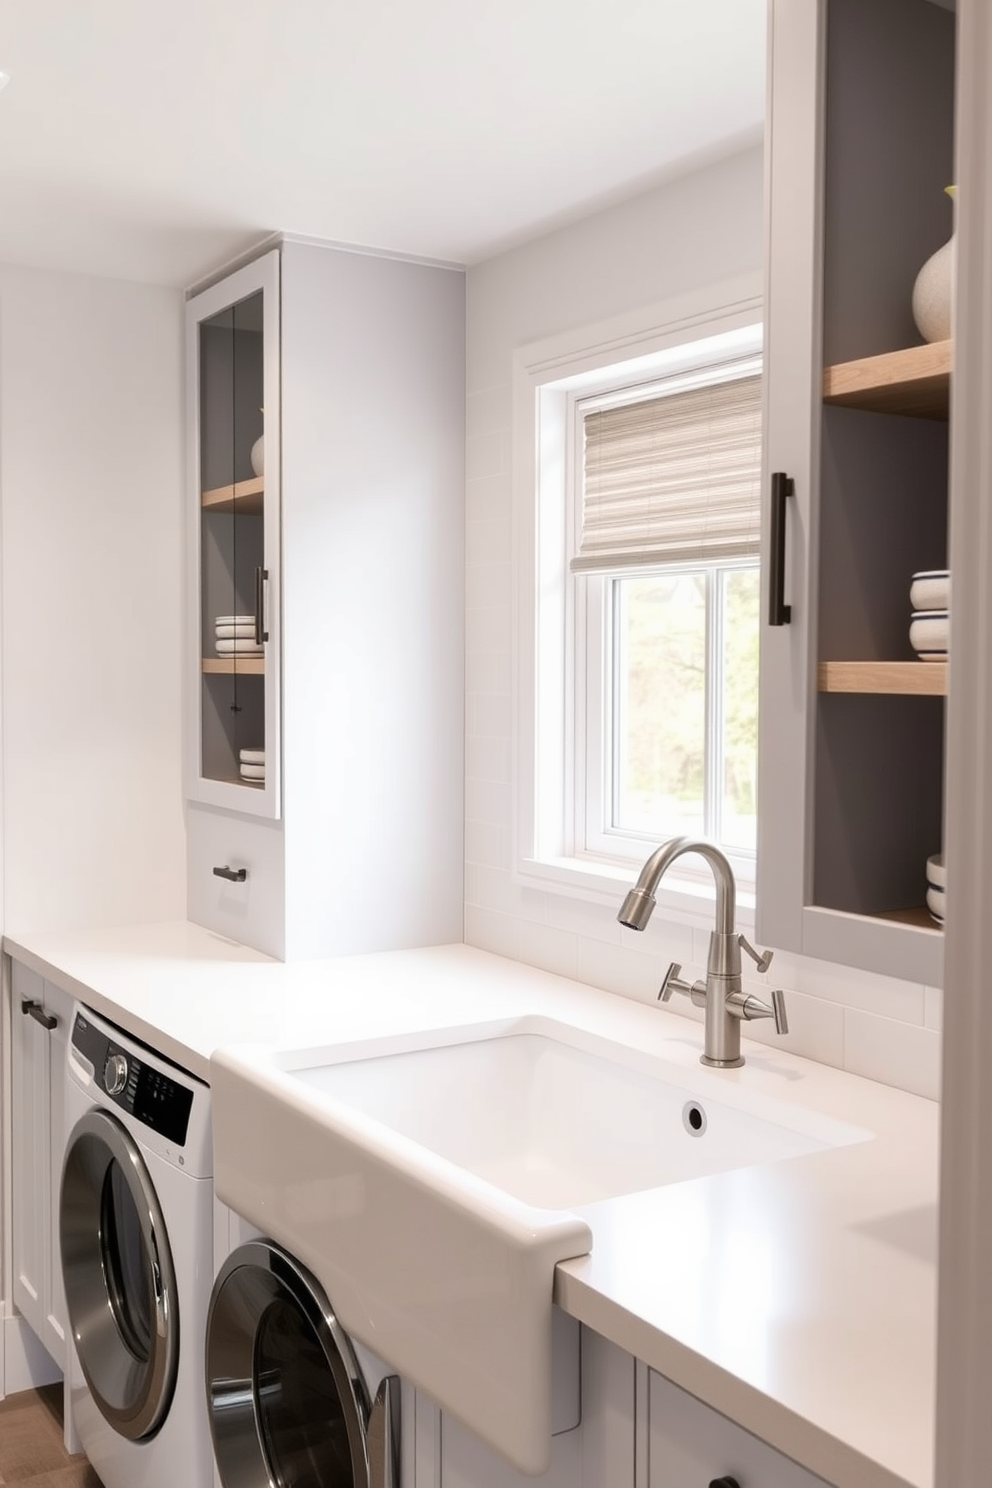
[(779, 613), (233, 875), (725, 1483), (37, 1012)]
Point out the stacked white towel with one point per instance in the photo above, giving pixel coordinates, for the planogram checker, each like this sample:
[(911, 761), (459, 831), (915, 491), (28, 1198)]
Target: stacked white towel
[(252, 765), (235, 636)]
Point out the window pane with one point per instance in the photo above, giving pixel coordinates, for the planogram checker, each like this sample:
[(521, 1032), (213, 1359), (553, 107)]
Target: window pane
[(740, 707), (659, 691)]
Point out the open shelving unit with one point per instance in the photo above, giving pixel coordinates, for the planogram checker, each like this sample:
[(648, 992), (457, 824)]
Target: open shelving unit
[(897, 678), (915, 381)]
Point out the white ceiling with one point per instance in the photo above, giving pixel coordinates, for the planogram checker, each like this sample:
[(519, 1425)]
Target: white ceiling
[(155, 139)]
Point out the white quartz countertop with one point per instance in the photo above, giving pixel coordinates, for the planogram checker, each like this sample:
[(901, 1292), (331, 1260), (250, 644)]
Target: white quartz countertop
[(799, 1298)]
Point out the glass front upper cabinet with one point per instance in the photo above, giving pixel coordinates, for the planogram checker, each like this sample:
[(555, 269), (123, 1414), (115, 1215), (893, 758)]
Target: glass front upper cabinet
[(233, 375)]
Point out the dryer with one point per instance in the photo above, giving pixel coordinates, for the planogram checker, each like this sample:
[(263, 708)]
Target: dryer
[(136, 1238), (291, 1397)]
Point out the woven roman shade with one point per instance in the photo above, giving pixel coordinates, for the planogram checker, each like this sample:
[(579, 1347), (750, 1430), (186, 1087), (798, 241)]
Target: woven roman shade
[(673, 478)]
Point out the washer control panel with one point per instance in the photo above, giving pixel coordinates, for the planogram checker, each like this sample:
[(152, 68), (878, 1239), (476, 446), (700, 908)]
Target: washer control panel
[(149, 1094)]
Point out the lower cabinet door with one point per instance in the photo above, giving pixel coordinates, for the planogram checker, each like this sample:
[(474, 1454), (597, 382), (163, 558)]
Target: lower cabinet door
[(692, 1446), (31, 1170), (40, 1017)]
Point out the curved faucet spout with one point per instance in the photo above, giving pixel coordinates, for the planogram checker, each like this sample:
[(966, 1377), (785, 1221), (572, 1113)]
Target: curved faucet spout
[(639, 903)]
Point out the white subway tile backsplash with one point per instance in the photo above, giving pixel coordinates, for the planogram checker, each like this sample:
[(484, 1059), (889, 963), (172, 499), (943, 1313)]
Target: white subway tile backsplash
[(486, 843), (487, 759), (486, 499), (492, 715), (667, 940), (487, 454), (491, 671), (488, 542), (892, 1052), (491, 931), (487, 587), (631, 973), (816, 1028), (501, 891), (487, 801), (581, 917), (884, 996), (489, 409), (550, 949)]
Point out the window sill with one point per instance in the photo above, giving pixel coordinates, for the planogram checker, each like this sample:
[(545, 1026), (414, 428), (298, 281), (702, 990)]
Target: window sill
[(681, 898)]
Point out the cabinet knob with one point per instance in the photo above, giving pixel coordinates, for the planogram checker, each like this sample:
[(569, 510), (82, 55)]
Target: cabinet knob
[(725, 1483), (37, 1012)]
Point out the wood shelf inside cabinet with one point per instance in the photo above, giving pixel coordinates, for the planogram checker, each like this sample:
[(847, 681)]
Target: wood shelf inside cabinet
[(226, 666), (243, 496), (912, 678), (914, 381), (918, 915)]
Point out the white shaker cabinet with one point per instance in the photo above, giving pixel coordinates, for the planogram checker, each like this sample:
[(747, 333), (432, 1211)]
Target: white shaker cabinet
[(353, 691), (860, 149), (691, 1446), (40, 1015)]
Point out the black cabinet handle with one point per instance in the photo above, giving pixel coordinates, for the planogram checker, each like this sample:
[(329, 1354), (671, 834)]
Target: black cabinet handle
[(725, 1483), (37, 1012), (261, 634), (779, 613), (233, 875)]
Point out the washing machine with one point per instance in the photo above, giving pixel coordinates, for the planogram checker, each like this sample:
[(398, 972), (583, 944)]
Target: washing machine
[(136, 1237), (292, 1399)]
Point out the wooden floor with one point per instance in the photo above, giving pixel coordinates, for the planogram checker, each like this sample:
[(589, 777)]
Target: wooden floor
[(31, 1450)]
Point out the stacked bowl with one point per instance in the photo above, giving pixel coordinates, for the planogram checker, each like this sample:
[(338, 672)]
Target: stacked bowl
[(251, 765), (930, 596), (936, 885)]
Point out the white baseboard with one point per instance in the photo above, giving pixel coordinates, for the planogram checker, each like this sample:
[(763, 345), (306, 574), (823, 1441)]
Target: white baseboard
[(24, 1362)]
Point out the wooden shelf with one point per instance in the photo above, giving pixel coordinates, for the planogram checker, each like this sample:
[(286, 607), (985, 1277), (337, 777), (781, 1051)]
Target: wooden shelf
[(915, 381), (918, 915), (913, 678), (244, 496), (226, 666)]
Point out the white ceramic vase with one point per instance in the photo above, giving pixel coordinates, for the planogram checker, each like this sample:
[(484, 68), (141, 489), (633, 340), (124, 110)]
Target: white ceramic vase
[(258, 455), (933, 292)]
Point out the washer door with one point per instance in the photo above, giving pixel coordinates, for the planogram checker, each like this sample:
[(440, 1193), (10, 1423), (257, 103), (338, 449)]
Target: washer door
[(285, 1395), (120, 1286)]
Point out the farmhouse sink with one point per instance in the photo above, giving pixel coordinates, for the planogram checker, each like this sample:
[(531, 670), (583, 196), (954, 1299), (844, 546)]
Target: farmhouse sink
[(430, 1181)]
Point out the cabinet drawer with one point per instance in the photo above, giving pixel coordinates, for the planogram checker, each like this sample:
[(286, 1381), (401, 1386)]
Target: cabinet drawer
[(691, 1446), (247, 909)]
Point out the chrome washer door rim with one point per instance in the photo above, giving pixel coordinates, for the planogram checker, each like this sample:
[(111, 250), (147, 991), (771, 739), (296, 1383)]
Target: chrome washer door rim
[(253, 1277), (132, 1394)]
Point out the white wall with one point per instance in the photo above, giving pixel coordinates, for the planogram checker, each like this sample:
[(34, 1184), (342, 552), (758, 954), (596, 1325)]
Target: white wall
[(91, 497), (699, 230)]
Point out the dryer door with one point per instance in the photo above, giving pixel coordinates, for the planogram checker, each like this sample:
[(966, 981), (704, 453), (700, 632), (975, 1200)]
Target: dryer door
[(120, 1287), (285, 1395)]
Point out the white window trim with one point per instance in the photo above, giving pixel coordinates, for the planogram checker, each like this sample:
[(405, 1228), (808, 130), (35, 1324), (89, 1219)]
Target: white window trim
[(542, 856)]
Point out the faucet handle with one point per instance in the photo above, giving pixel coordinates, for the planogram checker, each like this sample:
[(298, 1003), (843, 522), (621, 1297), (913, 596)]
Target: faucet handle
[(743, 1005), (670, 983), (762, 959)]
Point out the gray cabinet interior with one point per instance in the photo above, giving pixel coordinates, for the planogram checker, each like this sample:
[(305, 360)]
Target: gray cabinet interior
[(853, 781)]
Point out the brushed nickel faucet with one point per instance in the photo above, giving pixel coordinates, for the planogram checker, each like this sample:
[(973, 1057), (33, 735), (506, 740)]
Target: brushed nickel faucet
[(725, 1004)]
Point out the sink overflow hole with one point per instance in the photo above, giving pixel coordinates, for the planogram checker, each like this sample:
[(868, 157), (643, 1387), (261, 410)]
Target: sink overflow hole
[(694, 1118)]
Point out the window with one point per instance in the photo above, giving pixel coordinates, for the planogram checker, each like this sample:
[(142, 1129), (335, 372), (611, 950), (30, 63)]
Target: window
[(646, 609)]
